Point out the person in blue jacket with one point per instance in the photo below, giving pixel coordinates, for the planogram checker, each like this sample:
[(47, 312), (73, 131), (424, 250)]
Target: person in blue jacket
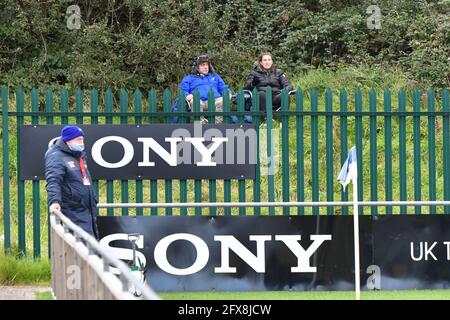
[(203, 78), (69, 183)]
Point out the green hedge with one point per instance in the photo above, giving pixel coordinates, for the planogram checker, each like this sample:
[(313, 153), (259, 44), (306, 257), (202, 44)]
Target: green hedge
[(147, 43)]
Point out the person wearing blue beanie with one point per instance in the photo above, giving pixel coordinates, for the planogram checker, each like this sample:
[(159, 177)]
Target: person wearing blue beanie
[(71, 132), (69, 182)]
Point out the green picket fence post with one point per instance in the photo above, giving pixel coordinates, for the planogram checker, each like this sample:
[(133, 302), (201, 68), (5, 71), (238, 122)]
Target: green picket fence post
[(446, 149), (241, 182), (36, 184), (373, 150), (6, 203), (299, 133), (181, 102), (212, 182), (257, 181), (109, 120), (79, 108), (226, 182), (402, 147), (417, 153), (167, 103), (94, 120), (359, 146), (123, 101), (314, 150), (138, 122), (343, 124), (64, 96), (329, 148), (388, 149), (197, 182), (153, 119), (270, 152), (20, 183), (49, 120), (285, 149), (431, 149)]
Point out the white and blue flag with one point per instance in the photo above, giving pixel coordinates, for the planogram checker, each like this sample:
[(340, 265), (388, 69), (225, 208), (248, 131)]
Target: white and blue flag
[(349, 170)]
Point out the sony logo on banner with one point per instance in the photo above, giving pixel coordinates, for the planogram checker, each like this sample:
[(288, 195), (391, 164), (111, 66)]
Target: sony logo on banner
[(150, 143), (227, 242)]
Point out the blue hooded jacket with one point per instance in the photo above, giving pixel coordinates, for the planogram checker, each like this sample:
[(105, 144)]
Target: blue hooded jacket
[(203, 83)]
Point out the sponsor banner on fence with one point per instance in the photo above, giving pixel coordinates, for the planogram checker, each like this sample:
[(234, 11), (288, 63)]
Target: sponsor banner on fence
[(283, 253), (159, 151)]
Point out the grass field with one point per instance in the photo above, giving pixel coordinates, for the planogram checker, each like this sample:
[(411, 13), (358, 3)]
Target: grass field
[(44, 295), (310, 295), (316, 295)]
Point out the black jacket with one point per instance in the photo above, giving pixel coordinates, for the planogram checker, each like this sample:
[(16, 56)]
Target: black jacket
[(273, 77), (65, 185)]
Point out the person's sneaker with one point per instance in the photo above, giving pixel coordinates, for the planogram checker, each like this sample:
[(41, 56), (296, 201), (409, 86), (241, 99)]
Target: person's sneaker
[(203, 120)]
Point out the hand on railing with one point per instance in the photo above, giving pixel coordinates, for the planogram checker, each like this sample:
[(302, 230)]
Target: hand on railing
[(55, 206)]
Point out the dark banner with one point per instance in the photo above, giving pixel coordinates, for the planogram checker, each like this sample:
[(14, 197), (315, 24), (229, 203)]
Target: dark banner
[(159, 151), (242, 253), (284, 253), (412, 252)]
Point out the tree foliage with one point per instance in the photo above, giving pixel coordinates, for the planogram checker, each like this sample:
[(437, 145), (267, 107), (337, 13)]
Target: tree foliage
[(148, 43)]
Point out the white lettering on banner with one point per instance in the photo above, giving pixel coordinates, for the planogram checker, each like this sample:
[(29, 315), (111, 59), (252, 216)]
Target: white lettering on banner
[(231, 243), (447, 244), (303, 256), (123, 254), (150, 143), (206, 152), (424, 251), (227, 242), (170, 158), (97, 152), (428, 251), (160, 254)]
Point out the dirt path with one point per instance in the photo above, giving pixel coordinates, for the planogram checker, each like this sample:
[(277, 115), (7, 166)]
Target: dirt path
[(20, 292)]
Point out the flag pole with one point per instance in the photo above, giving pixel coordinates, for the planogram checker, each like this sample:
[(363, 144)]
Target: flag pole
[(356, 238), (349, 172)]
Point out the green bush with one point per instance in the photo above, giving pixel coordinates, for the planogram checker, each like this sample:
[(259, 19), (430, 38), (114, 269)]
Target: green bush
[(151, 44)]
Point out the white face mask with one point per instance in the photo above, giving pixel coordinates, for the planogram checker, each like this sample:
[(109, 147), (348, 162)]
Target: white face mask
[(76, 147)]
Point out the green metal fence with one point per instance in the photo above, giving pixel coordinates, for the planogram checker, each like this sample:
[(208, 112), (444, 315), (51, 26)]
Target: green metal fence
[(402, 140)]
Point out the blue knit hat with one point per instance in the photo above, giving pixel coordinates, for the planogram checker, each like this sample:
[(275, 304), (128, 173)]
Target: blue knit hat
[(71, 132)]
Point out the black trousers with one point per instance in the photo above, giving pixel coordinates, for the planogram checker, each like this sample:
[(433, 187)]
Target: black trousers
[(276, 101)]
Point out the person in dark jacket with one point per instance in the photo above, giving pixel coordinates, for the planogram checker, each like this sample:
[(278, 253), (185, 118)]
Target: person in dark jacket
[(69, 183), (203, 78), (265, 74)]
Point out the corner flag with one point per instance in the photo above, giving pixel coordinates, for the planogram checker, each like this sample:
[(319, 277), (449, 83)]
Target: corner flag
[(349, 170)]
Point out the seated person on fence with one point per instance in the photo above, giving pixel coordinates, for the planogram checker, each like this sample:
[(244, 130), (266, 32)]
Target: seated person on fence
[(203, 78), (265, 74)]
